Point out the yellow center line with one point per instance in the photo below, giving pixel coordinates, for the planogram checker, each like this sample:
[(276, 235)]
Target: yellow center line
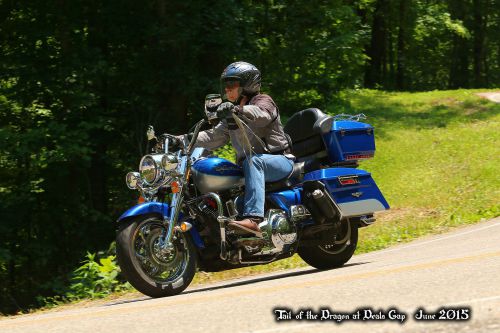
[(164, 302)]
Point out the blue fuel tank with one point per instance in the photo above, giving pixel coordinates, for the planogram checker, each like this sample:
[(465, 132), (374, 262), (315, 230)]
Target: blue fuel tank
[(214, 174)]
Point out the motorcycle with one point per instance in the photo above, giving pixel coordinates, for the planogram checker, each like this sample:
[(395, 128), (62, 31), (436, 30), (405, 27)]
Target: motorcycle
[(190, 196)]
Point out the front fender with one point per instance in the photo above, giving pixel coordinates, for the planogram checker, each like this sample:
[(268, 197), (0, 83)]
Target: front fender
[(160, 209), (147, 208)]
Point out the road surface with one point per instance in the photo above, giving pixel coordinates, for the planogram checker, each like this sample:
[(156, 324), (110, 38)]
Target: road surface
[(459, 270)]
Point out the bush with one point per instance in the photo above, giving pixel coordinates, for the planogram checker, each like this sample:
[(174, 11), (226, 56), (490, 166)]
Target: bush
[(95, 279)]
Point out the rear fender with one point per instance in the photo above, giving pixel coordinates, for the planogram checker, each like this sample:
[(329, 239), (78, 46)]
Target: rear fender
[(161, 210)]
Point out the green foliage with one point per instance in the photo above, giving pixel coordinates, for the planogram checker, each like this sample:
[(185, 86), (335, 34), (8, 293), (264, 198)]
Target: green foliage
[(95, 279), (226, 152)]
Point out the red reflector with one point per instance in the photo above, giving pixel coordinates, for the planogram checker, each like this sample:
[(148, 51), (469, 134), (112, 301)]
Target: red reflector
[(351, 180), (358, 157), (211, 203)]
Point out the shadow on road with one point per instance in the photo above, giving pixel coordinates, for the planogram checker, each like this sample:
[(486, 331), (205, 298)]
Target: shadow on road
[(241, 283)]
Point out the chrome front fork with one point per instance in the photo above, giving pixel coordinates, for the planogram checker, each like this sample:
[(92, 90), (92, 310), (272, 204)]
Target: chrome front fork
[(176, 205)]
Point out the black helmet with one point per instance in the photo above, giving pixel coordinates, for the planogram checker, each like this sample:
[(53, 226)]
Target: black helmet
[(247, 74)]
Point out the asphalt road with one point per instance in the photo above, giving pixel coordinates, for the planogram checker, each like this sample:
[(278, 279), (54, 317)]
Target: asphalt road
[(459, 270)]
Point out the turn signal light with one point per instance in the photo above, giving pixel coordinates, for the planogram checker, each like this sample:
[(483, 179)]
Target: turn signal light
[(185, 226), (141, 200), (175, 187)]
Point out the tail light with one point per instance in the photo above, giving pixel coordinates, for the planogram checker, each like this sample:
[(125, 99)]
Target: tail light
[(348, 180), (349, 157)]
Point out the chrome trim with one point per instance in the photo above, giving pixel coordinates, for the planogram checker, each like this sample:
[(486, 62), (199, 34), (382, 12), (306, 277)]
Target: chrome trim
[(176, 204), (169, 162), (133, 180), (240, 259), (299, 212), (360, 207), (155, 168), (231, 208), (222, 223), (366, 221)]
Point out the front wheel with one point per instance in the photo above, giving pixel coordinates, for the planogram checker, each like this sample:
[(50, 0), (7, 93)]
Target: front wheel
[(335, 254), (150, 270)]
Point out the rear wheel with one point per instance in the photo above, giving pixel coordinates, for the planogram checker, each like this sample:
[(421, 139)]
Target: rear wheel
[(146, 266), (332, 254)]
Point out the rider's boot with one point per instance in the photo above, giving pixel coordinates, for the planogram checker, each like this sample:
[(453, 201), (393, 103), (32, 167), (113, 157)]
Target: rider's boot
[(247, 226)]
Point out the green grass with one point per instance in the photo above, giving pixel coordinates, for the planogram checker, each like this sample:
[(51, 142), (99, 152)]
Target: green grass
[(437, 163)]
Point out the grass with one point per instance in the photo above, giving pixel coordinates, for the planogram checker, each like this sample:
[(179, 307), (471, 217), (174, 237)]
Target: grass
[(437, 163)]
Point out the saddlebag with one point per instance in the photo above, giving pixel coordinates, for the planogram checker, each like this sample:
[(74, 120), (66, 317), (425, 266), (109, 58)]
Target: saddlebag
[(353, 192)]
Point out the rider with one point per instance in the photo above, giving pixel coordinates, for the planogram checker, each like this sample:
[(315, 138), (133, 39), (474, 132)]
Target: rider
[(263, 150)]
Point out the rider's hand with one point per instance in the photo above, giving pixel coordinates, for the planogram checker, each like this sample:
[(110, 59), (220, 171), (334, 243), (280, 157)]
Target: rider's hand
[(175, 143), (226, 110)]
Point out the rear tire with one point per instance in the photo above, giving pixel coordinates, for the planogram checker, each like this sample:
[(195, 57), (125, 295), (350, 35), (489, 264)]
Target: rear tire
[(149, 271), (328, 256)]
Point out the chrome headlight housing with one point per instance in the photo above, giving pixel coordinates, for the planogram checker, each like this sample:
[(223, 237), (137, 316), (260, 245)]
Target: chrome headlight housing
[(150, 168), (169, 162)]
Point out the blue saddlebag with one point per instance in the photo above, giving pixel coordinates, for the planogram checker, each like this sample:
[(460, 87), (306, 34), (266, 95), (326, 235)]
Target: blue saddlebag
[(354, 191)]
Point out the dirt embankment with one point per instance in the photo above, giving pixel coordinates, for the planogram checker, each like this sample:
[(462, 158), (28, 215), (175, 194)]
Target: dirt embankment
[(493, 96)]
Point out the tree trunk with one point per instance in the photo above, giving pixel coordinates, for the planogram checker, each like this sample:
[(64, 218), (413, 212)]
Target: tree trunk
[(459, 64), (479, 36), (377, 48), (400, 76)]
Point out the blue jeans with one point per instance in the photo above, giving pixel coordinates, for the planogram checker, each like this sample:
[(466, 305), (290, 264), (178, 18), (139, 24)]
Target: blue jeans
[(258, 170)]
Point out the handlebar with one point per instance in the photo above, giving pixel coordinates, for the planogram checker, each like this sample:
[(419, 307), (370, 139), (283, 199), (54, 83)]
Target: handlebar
[(196, 131)]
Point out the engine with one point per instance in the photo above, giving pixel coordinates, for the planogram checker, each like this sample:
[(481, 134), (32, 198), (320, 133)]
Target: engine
[(278, 235)]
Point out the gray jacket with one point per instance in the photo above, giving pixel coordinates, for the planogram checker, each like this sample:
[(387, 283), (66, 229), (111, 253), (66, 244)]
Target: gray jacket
[(262, 116)]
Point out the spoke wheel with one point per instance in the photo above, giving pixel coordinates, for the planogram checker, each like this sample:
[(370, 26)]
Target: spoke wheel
[(147, 266)]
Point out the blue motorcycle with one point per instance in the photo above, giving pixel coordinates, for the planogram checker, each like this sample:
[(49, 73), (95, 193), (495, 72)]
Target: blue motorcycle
[(190, 197)]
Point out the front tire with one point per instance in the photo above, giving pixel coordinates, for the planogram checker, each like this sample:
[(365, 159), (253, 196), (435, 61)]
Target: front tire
[(328, 256), (150, 271)]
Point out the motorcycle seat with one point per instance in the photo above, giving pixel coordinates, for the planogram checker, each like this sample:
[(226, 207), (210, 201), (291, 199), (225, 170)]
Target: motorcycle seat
[(286, 183), (306, 128)]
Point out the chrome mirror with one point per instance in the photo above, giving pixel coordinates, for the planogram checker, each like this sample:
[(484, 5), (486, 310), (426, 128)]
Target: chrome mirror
[(150, 133)]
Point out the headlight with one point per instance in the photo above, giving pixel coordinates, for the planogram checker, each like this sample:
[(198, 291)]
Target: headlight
[(132, 179), (149, 168), (169, 162)]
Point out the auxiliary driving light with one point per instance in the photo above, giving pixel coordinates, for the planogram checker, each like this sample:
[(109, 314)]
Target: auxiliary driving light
[(132, 179)]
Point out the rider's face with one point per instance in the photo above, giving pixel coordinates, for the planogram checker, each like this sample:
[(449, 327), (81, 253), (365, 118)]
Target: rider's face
[(232, 89)]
